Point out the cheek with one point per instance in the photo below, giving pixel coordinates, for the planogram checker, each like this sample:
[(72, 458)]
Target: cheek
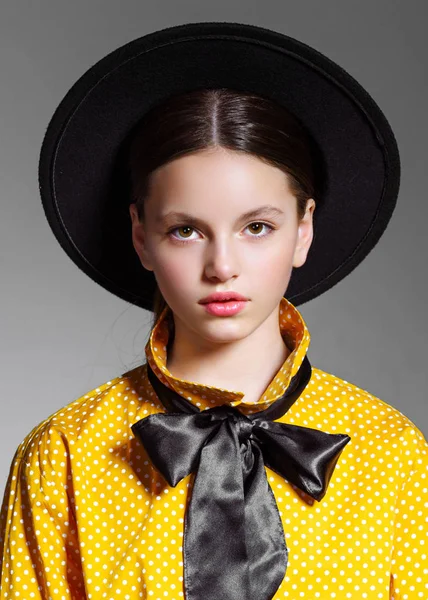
[(172, 268), (272, 265), (272, 256)]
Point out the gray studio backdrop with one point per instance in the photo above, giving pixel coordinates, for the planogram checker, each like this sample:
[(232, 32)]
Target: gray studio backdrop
[(63, 335)]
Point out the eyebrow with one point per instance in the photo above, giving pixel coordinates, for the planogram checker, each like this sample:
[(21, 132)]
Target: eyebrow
[(265, 210)]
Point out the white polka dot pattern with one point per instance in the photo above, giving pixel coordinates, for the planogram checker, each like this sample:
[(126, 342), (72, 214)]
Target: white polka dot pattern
[(86, 516)]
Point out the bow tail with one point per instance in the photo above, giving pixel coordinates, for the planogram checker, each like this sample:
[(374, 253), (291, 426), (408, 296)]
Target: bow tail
[(266, 546), (215, 553)]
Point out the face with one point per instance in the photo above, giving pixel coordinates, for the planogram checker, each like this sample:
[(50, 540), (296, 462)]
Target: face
[(216, 248)]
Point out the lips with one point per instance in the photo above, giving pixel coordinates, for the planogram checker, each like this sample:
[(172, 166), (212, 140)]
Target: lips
[(226, 308), (223, 297)]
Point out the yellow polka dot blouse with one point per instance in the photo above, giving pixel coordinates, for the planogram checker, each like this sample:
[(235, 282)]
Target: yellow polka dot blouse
[(85, 515)]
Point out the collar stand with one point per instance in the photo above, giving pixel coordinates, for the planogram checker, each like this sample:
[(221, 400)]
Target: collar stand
[(295, 334)]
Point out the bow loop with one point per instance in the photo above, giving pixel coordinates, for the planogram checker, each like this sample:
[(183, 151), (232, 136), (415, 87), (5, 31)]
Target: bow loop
[(174, 442), (311, 454)]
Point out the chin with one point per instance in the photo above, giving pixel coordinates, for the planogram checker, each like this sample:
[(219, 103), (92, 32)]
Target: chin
[(223, 329)]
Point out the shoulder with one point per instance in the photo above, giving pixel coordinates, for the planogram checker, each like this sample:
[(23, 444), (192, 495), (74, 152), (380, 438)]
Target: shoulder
[(84, 417), (364, 414)]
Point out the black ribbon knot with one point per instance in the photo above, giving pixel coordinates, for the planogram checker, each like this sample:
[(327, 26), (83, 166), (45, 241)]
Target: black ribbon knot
[(234, 546)]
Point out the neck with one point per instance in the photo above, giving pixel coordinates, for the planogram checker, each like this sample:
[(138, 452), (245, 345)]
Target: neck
[(247, 365)]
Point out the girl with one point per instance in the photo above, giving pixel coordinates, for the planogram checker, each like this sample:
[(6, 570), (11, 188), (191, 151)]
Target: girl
[(190, 172)]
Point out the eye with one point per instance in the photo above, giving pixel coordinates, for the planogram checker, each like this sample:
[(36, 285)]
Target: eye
[(181, 240), (182, 227), (264, 225)]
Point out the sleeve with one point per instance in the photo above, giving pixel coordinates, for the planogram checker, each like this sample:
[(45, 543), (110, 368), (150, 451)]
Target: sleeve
[(409, 561), (39, 550)]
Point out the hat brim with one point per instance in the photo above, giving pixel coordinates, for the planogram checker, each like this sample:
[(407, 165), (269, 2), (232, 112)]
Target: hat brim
[(84, 191)]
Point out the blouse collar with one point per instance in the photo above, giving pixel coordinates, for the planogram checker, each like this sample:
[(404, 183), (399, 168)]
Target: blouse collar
[(294, 332)]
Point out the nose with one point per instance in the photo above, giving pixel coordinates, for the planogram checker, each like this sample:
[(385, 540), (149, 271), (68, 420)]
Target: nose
[(221, 260)]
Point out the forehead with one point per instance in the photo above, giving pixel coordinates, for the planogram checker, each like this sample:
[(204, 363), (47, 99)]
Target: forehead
[(212, 180)]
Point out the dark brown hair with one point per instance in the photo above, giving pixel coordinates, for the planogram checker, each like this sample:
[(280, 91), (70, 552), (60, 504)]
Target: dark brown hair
[(209, 118)]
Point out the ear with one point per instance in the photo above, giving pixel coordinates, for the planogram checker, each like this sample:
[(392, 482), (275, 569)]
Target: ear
[(139, 238), (304, 235)]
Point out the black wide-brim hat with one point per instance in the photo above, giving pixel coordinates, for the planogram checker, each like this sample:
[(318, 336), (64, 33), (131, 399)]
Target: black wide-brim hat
[(83, 182)]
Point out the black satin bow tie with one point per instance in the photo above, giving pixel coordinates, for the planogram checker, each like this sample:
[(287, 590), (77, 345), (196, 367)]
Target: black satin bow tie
[(234, 546)]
